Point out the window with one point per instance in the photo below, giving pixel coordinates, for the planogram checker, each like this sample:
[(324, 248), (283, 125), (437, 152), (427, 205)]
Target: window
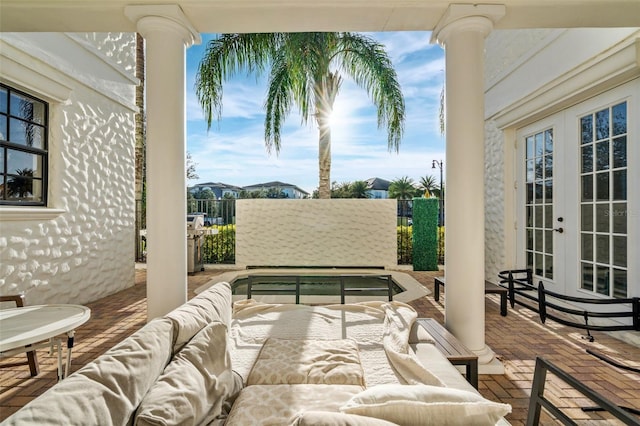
[(23, 148)]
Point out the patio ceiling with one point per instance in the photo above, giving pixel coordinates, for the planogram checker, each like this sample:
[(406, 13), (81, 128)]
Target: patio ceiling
[(211, 16)]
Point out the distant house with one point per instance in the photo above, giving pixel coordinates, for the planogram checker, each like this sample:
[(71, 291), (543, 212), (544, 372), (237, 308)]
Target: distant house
[(378, 188), (291, 191), (218, 188)]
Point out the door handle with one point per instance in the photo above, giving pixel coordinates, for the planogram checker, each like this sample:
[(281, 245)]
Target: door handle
[(559, 230)]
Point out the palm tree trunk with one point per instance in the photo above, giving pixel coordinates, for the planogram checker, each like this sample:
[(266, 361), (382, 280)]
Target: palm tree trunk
[(326, 91), (140, 209)]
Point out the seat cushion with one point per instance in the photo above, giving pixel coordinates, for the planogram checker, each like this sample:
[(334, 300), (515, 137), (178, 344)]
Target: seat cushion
[(280, 404)]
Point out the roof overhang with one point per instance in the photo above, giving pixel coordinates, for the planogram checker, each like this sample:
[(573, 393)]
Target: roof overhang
[(216, 16)]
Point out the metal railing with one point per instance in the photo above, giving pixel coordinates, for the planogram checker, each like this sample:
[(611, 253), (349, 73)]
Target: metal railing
[(291, 284), (519, 282)]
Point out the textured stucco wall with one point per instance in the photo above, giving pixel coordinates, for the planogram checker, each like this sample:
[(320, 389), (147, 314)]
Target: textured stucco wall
[(338, 232), (494, 237), (87, 252)]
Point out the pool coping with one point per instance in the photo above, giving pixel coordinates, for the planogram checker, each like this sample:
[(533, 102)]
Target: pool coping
[(412, 288)]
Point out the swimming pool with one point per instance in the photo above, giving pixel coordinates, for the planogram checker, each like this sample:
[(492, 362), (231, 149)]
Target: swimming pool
[(301, 285), (410, 289)]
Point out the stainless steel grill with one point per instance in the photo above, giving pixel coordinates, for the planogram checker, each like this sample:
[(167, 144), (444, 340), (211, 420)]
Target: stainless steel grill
[(195, 237)]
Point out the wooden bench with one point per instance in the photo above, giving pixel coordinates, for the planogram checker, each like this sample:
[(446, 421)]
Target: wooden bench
[(452, 348), (489, 288)]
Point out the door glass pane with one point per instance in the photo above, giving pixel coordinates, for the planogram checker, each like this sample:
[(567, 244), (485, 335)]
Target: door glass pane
[(620, 251), (548, 216), (602, 249), (538, 240), (602, 217), (530, 260), (619, 283), (587, 276), (587, 217), (529, 193), (602, 186), (602, 124), (587, 159), (539, 145), (587, 188), (619, 216), (548, 267), (620, 152), (548, 191), (602, 155), (530, 175), (602, 284), (529, 239), (586, 125), (548, 166), (620, 185), (548, 242), (538, 267), (539, 191), (529, 213), (539, 223), (530, 147), (587, 246), (619, 113)]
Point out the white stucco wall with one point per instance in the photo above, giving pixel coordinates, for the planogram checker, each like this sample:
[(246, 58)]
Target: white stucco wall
[(83, 248), (530, 74), (338, 232)]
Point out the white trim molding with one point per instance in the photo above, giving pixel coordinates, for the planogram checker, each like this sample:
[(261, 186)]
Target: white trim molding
[(17, 213), (45, 81), (605, 71)]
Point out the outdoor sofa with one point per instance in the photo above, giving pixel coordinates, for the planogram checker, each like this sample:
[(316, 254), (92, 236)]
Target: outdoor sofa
[(208, 362)]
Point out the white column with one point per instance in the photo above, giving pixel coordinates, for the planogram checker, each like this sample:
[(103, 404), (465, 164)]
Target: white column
[(462, 31), (167, 34)]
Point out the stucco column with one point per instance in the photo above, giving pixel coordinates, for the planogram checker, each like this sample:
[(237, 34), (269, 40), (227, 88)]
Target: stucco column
[(167, 34), (462, 32)]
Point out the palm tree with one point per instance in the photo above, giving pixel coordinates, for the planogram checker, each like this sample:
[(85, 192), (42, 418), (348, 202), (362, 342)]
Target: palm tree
[(306, 70), (360, 189), (402, 188), (428, 184)]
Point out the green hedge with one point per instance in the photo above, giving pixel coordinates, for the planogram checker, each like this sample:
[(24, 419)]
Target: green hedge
[(221, 247), (425, 234)]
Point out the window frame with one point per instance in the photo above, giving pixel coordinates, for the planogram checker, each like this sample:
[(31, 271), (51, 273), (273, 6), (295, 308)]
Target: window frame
[(6, 145)]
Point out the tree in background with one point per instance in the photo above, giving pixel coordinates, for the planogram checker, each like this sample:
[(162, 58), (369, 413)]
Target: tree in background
[(403, 189), (306, 70), (428, 184)]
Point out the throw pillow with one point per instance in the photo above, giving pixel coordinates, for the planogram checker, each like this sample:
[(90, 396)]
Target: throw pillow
[(425, 405)]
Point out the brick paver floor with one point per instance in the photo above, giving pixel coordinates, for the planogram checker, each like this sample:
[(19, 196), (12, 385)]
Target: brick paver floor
[(516, 339)]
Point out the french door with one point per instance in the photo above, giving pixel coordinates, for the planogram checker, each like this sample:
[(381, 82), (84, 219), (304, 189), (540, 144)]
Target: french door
[(541, 222), (577, 197)]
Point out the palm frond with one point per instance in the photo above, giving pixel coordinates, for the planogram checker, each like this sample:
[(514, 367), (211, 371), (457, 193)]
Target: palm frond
[(367, 63), (224, 57)]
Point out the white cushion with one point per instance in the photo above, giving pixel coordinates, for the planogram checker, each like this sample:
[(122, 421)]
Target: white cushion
[(195, 384), (425, 405), (331, 418)]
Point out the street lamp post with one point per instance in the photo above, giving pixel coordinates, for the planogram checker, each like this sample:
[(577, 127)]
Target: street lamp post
[(440, 163)]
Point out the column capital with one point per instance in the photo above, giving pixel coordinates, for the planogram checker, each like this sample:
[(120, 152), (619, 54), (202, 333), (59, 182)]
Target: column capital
[(467, 17), (163, 17)]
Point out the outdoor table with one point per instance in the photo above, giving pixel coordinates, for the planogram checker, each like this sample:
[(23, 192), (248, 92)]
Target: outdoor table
[(31, 327)]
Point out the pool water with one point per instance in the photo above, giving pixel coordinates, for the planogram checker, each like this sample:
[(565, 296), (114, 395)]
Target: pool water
[(315, 285)]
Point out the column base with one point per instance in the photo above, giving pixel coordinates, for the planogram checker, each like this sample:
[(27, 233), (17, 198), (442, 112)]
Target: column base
[(488, 363)]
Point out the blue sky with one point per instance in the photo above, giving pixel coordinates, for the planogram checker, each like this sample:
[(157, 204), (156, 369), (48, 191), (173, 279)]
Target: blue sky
[(233, 151)]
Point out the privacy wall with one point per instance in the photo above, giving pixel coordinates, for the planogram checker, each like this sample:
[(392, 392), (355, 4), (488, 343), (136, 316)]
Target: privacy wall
[(337, 232)]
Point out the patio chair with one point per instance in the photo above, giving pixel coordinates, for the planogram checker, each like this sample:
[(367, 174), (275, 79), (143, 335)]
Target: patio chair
[(32, 358)]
